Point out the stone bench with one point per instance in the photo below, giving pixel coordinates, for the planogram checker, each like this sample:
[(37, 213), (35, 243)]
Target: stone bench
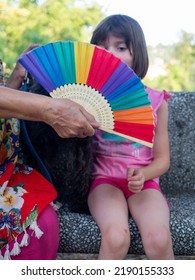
[(80, 234)]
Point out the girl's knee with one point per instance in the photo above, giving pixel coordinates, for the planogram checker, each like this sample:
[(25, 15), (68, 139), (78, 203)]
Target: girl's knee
[(116, 239), (157, 243)]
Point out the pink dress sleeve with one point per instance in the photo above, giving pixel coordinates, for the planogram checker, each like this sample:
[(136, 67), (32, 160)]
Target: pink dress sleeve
[(156, 97)]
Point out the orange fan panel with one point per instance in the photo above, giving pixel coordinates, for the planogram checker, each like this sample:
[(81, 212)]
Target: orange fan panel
[(137, 115)]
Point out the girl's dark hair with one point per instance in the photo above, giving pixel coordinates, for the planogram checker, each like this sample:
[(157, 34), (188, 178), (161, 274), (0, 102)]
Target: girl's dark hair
[(125, 27)]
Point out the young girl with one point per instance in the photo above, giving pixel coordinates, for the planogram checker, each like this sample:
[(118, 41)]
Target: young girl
[(127, 177)]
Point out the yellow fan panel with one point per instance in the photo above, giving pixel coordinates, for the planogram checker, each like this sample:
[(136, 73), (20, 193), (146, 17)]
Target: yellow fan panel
[(83, 57)]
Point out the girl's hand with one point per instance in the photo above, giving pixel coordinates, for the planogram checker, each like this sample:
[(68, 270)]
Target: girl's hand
[(135, 179)]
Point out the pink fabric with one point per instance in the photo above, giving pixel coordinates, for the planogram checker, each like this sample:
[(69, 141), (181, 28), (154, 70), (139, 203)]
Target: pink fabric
[(121, 184), (44, 248), (115, 154)]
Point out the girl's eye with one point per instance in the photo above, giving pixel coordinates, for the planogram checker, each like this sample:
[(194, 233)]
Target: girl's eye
[(122, 48)]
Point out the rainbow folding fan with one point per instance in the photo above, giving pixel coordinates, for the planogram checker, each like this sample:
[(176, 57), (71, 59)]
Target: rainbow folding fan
[(102, 83)]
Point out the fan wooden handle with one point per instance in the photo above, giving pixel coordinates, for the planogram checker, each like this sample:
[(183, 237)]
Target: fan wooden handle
[(148, 144)]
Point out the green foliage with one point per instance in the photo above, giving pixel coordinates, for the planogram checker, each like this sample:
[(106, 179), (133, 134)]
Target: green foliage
[(25, 22), (178, 65)]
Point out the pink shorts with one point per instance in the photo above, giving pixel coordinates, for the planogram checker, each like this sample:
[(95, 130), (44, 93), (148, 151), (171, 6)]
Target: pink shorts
[(122, 184)]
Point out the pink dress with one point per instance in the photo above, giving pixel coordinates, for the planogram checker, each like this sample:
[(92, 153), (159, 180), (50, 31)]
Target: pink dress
[(115, 154)]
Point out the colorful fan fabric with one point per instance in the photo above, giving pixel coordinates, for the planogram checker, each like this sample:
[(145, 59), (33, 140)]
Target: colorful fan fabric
[(102, 83)]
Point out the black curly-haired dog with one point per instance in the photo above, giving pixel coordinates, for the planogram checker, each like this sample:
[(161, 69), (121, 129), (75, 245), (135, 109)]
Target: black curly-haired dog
[(68, 161)]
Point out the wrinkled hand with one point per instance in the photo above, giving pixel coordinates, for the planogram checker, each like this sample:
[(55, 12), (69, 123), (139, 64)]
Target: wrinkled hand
[(135, 179), (17, 76), (69, 119)]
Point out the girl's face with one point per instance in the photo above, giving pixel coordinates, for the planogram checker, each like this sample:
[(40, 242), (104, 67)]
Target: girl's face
[(118, 47)]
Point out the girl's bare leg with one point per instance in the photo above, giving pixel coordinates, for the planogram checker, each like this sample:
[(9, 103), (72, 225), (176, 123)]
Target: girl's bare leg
[(108, 207), (150, 211)]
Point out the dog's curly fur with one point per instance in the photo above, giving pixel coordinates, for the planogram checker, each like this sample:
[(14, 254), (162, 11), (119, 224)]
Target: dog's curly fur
[(69, 161)]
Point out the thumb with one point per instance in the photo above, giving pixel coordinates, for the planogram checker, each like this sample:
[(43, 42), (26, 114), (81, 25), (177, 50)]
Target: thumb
[(130, 172)]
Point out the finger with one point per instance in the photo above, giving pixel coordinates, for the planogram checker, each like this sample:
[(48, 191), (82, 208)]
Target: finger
[(61, 132), (136, 188), (65, 132), (85, 130), (135, 184), (90, 118), (130, 172), (31, 47), (88, 130), (136, 178)]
